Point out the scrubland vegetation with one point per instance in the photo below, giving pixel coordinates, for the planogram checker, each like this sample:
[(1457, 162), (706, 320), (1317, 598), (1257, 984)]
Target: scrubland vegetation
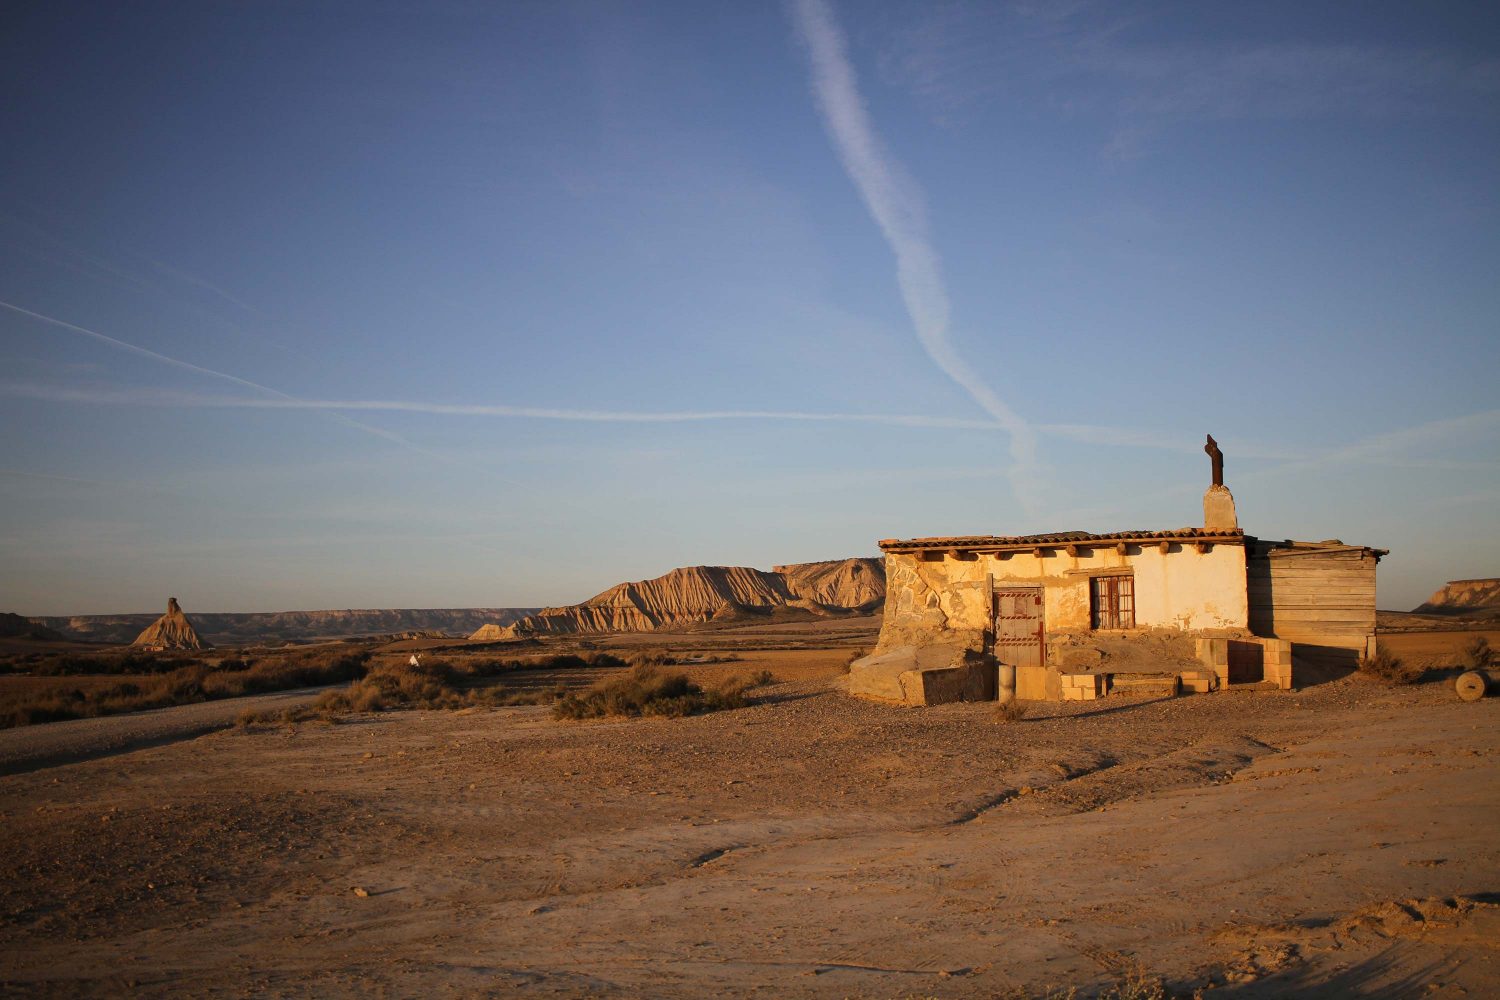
[(646, 690), (441, 684), (157, 681)]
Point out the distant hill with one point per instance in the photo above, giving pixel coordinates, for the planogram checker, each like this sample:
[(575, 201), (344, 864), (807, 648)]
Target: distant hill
[(16, 627), (697, 594), (241, 628), (1464, 599)]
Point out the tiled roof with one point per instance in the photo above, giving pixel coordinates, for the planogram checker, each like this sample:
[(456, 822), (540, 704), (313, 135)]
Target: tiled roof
[(1233, 536)]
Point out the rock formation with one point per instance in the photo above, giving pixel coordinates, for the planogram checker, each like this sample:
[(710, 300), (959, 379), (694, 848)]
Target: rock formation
[(233, 628), (171, 631), (852, 584), (15, 627), (697, 594), (490, 632), (1465, 599)]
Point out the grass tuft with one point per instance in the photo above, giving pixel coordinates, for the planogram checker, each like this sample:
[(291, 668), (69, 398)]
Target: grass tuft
[(1009, 711), (1389, 669)]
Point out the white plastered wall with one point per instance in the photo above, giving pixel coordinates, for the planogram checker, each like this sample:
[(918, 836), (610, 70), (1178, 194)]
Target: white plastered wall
[(1181, 588)]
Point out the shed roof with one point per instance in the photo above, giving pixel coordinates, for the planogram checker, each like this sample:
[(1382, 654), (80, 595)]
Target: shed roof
[(1232, 536)]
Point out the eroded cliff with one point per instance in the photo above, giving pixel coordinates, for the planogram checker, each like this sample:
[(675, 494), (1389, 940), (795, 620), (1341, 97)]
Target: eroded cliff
[(697, 594)]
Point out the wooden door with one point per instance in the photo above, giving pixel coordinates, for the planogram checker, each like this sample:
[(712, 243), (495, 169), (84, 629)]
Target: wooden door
[(1018, 626)]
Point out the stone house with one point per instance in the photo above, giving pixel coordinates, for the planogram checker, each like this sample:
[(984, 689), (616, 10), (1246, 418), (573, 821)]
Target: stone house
[(1079, 615)]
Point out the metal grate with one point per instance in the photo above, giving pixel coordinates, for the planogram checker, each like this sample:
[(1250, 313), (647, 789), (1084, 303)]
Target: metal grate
[(1112, 601)]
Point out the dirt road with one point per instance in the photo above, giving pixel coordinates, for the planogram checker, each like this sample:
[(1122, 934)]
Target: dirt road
[(27, 748)]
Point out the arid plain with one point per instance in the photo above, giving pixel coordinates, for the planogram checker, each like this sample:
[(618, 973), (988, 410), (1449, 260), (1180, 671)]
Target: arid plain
[(1329, 840)]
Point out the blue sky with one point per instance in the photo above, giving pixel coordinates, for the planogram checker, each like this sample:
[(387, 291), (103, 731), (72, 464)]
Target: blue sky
[(342, 304)]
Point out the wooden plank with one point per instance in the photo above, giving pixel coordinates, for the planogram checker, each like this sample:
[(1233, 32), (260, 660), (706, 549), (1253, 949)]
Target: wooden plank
[(1361, 618), (1302, 588), (1340, 641), (1318, 569), (1328, 576), (1313, 586), (1320, 602), (1305, 588), (1316, 594), (1317, 599)]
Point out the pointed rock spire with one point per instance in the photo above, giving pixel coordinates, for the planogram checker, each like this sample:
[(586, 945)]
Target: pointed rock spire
[(171, 631)]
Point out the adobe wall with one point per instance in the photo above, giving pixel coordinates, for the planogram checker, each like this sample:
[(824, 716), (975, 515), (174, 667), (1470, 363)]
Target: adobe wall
[(948, 599)]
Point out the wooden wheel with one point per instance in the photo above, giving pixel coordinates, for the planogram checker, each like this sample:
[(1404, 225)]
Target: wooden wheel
[(1471, 686)]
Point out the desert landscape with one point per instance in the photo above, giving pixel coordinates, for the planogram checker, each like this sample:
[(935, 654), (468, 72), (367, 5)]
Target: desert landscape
[(809, 499), (1331, 840)]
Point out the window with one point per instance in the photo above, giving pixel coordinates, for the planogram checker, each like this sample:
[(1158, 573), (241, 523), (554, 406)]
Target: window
[(1112, 601)]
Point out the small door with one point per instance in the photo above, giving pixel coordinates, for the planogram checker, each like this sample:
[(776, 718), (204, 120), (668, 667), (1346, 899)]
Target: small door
[(1018, 626)]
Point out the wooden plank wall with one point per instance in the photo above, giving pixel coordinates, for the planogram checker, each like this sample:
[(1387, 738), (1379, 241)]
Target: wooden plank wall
[(1316, 597)]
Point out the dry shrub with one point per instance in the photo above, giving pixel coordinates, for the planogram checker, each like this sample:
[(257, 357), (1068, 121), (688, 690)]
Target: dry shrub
[(184, 685), (1007, 712), (251, 719), (1130, 985), (646, 690), (433, 684), (1478, 655), (494, 666), (662, 658), (130, 661), (498, 696), (1389, 669)]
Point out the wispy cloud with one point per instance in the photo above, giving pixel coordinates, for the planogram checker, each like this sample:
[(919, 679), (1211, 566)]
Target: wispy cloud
[(1109, 437), (1127, 437), (189, 278), (896, 204), (144, 275), (1088, 57), (170, 397), (187, 366), (1395, 448)]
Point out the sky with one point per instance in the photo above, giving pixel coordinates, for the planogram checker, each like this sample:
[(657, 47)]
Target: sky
[(458, 304)]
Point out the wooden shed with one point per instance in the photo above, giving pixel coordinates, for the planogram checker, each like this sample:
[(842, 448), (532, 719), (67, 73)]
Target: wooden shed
[(1319, 595)]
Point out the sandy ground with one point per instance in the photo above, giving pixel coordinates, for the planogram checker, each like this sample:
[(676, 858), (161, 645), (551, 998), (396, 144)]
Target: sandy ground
[(1334, 841)]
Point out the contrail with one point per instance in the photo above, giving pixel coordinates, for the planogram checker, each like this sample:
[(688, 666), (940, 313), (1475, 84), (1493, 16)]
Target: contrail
[(1113, 437), (895, 202), (200, 370), (167, 397)]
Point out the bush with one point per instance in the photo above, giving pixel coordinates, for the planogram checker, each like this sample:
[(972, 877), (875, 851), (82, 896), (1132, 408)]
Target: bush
[(858, 654), (1009, 711), (646, 690), (133, 661), (662, 658), (433, 684), (1478, 655), (1388, 669), (495, 666)]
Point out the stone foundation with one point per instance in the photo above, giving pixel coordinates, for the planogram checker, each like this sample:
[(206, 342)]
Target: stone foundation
[(1227, 657), (924, 675)]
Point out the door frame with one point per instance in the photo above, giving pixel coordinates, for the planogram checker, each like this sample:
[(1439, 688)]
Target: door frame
[(1041, 617)]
